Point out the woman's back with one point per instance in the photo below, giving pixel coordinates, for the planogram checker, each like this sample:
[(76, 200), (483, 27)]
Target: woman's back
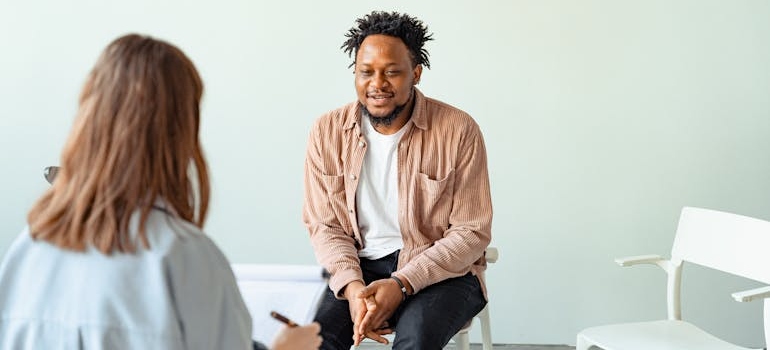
[(173, 296)]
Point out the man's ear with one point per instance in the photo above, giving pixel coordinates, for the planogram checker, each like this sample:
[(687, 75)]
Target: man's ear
[(417, 73)]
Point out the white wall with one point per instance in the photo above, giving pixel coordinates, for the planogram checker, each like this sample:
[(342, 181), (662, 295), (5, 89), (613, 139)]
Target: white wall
[(602, 119)]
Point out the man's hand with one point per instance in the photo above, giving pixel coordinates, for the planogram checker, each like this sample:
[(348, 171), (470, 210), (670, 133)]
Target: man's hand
[(357, 308), (381, 299)]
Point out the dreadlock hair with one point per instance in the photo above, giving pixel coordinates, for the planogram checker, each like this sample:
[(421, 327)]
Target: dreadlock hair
[(407, 28)]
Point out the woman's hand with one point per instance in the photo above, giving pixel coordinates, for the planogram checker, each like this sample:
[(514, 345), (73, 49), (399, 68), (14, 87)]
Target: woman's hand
[(298, 338)]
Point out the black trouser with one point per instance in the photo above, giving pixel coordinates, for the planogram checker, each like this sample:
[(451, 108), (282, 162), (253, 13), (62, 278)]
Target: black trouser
[(425, 321)]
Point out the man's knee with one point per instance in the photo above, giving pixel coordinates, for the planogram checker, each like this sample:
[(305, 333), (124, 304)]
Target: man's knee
[(427, 337), (336, 326), (432, 317)]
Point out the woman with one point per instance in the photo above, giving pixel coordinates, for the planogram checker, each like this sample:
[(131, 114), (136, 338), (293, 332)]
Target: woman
[(113, 256)]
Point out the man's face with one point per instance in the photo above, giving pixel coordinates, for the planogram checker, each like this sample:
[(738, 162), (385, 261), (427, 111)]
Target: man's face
[(384, 74)]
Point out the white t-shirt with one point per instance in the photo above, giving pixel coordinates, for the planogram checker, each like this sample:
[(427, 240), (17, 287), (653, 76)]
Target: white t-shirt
[(377, 193), (179, 294)]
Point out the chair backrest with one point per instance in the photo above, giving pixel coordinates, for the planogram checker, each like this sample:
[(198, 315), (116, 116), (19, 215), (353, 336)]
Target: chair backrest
[(732, 243)]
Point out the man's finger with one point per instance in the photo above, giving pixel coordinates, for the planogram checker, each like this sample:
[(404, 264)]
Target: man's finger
[(383, 331), (371, 303), (364, 325), (366, 292), (377, 337), (357, 339)]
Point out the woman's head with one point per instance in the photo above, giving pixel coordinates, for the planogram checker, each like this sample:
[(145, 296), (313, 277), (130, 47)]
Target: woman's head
[(134, 140)]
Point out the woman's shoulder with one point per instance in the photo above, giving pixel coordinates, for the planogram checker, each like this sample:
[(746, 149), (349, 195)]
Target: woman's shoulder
[(168, 235)]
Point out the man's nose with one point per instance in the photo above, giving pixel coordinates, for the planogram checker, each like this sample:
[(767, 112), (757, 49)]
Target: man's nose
[(380, 81)]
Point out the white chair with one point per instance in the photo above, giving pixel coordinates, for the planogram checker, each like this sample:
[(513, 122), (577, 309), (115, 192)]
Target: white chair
[(722, 241), (462, 339)]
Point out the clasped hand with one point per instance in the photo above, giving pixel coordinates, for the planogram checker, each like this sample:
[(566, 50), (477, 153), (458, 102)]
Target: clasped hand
[(371, 307)]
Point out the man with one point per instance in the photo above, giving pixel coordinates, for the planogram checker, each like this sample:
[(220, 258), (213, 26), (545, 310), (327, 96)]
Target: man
[(397, 199)]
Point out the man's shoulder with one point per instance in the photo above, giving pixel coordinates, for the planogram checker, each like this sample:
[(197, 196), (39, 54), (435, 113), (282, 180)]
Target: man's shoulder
[(338, 117), (442, 114)]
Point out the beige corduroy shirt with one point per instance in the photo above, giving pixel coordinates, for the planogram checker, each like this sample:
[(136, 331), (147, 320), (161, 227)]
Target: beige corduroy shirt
[(445, 209)]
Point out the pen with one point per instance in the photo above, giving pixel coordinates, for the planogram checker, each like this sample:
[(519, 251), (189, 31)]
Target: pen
[(283, 319)]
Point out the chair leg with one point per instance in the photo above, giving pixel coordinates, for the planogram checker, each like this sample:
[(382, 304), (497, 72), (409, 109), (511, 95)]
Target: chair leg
[(486, 332), (462, 340), (582, 343)]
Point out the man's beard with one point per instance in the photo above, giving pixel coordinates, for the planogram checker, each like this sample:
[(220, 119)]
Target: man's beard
[(385, 120)]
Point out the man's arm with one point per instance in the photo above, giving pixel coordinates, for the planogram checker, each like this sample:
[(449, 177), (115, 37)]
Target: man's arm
[(335, 249), (469, 231)]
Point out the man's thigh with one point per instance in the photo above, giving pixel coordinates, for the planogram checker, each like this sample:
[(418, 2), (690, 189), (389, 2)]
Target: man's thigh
[(429, 319)]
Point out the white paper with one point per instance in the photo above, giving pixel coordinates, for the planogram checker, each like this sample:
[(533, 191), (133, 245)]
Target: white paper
[(291, 290)]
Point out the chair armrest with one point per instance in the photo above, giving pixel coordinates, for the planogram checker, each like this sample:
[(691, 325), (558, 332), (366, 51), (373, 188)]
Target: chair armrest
[(639, 259), (752, 294)]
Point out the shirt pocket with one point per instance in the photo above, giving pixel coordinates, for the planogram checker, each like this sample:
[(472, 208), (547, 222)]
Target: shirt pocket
[(434, 199), (335, 191)]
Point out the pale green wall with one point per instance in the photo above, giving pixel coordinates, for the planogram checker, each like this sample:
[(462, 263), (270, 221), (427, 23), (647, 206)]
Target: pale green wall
[(602, 119)]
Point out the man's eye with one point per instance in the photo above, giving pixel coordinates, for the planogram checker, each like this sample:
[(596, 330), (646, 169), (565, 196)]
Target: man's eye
[(365, 72), (392, 73)]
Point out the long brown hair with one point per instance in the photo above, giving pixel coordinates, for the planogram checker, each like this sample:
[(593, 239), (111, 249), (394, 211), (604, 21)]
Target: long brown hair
[(134, 141)]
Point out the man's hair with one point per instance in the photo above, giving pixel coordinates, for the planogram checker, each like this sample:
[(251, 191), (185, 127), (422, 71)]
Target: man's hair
[(407, 28), (134, 142)]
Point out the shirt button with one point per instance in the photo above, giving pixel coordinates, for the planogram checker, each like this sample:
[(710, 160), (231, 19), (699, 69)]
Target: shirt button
[(361, 144), (350, 211), (352, 176)]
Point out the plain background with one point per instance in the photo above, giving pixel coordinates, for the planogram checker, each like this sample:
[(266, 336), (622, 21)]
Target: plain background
[(602, 120)]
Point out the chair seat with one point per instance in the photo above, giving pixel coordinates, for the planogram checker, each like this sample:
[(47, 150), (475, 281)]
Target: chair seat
[(658, 335)]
